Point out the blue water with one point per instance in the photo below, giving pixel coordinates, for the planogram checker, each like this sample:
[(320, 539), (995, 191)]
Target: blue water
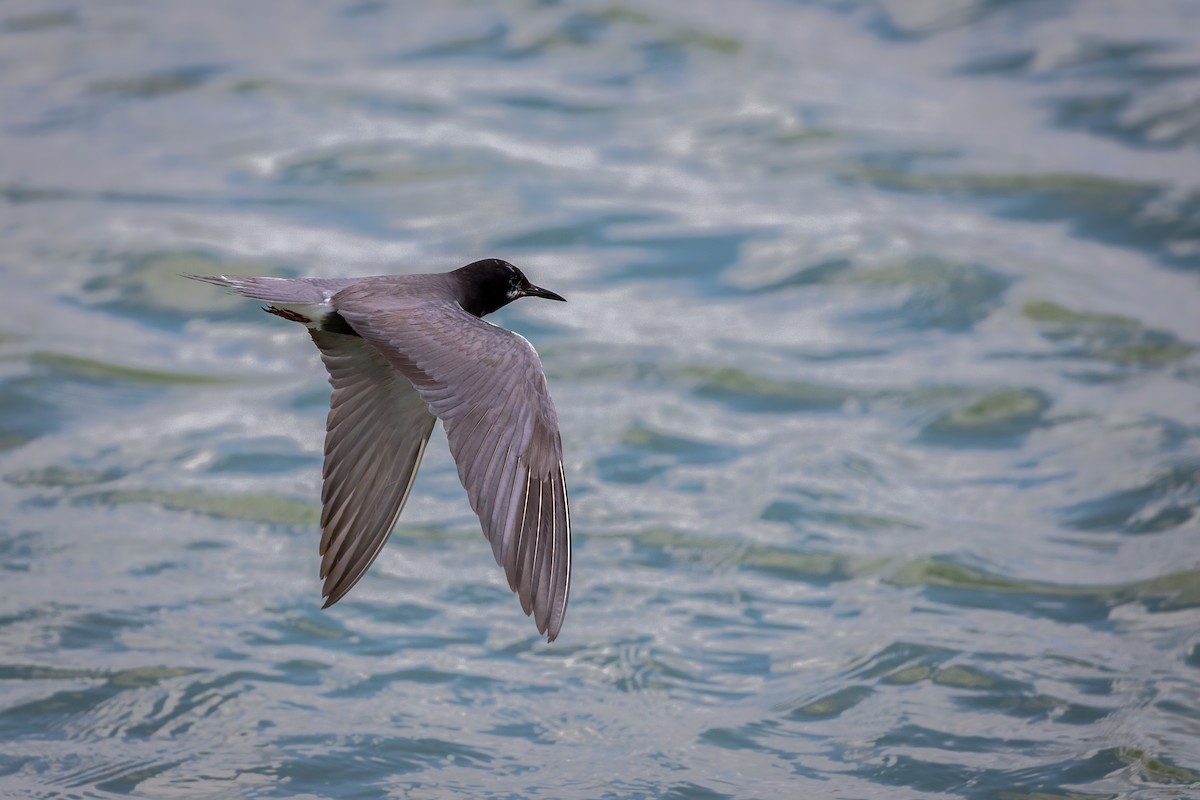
[(879, 387)]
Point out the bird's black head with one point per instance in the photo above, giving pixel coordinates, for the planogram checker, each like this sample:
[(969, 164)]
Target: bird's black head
[(493, 283)]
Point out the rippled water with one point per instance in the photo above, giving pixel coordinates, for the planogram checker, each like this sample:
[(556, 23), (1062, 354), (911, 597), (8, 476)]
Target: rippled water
[(879, 387)]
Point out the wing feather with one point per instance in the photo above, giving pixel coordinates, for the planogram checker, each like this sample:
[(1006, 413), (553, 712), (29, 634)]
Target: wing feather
[(487, 386), (375, 436)]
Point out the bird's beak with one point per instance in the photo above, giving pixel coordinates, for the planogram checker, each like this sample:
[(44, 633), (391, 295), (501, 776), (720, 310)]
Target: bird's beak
[(537, 291)]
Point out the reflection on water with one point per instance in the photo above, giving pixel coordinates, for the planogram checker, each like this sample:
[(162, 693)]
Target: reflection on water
[(878, 384)]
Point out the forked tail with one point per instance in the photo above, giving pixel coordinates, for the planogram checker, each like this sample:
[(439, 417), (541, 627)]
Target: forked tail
[(288, 291)]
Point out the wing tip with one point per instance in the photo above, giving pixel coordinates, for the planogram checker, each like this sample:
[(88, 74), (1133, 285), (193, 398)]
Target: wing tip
[(554, 624)]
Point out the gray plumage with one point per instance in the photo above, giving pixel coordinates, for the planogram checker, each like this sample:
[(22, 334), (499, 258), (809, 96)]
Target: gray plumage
[(401, 351)]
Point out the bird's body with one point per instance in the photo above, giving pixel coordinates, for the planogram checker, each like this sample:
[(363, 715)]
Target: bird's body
[(402, 351)]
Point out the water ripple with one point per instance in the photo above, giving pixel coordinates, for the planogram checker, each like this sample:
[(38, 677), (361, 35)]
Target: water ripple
[(877, 386)]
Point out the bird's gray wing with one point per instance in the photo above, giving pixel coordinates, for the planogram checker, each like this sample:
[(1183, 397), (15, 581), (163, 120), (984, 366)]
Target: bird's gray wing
[(376, 434), (487, 386)]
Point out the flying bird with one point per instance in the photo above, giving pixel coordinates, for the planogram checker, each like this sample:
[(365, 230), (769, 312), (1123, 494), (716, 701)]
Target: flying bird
[(402, 351)]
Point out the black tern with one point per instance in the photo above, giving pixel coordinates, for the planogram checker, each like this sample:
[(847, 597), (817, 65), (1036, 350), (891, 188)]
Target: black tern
[(402, 350)]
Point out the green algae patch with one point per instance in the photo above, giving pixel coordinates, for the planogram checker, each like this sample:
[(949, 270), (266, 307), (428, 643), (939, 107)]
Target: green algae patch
[(1155, 769), (994, 418), (78, 366), (1114, 338), (1049, 312), (1172, 592), (745, 391), (249, 507), (57, 477), (964, 678), (943, 294), (909, 675), (833, 704)]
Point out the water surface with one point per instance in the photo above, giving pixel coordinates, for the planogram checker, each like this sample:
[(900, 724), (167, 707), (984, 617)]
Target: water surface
[(879, 388)]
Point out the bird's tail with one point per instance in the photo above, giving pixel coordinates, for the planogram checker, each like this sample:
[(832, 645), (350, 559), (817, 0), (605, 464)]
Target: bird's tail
[(288, 291)]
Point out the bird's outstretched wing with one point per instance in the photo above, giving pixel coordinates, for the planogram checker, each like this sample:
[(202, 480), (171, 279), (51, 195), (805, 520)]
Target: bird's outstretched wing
[(376, 434), (487, 386)]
